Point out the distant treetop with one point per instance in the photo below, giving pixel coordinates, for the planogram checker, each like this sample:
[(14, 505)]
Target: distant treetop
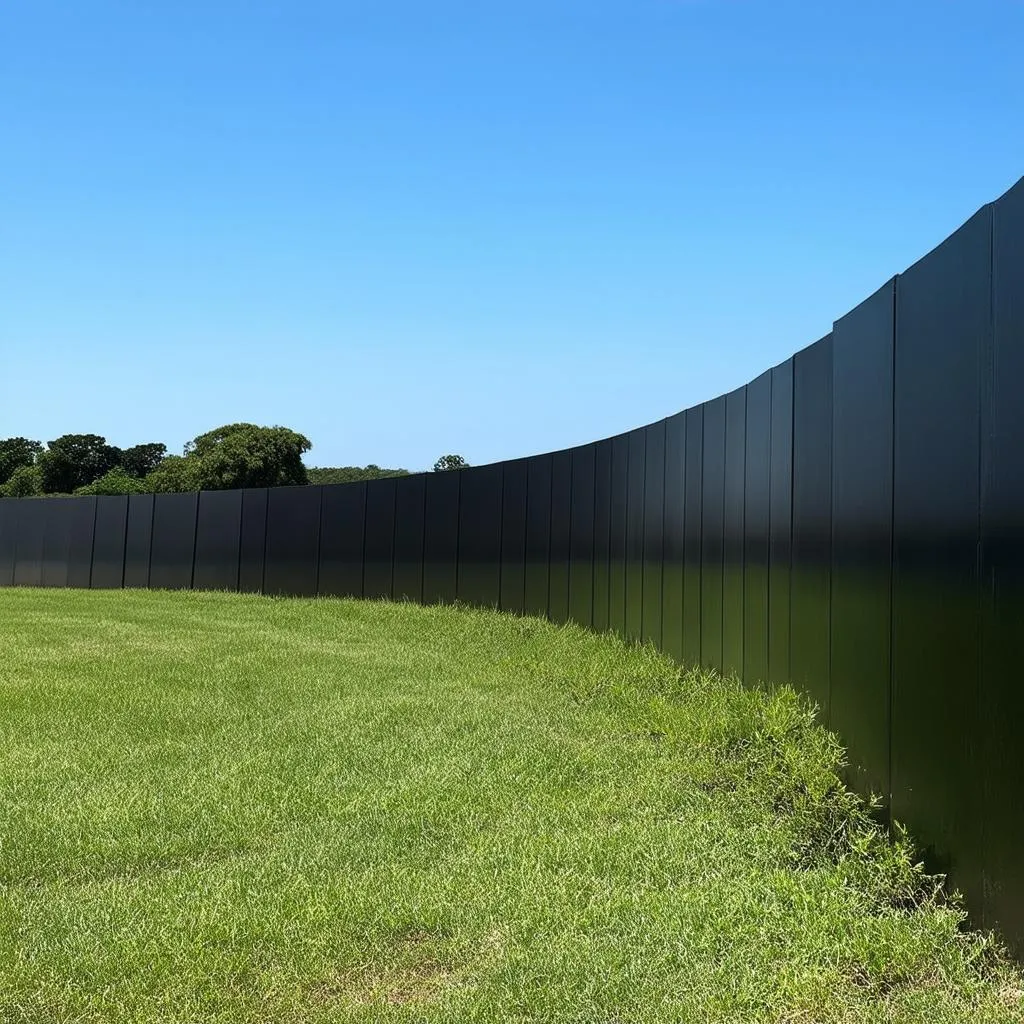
[(450, 462)]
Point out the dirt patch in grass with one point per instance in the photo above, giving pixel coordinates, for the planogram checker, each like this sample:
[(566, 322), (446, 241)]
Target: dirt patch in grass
[(411, 970)]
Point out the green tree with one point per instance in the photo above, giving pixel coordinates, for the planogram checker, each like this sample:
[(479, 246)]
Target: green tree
[(114, 481), (174, 475), (24, 482), (142, 459), (75, 460), (450, 462), (17, 453), (246, 455), (349, 474)]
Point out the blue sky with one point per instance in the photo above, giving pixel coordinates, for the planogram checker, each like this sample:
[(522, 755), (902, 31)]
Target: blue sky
[(492, 228)]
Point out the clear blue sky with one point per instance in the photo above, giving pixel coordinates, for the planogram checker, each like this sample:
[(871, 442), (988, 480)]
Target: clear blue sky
[(493, 228)]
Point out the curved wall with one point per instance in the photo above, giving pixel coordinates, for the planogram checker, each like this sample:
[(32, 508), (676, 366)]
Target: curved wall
[(851, 521)]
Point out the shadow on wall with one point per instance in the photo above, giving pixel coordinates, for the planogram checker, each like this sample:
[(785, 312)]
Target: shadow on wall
[(852, 521)]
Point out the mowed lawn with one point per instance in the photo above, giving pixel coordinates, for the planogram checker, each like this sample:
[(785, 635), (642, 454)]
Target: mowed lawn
[(227, 808)]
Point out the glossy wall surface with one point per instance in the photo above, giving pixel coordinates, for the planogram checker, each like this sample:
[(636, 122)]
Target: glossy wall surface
[(851, 521)]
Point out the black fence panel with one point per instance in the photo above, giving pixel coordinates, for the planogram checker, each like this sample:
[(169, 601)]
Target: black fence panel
[(1002, 518), (138, 540), (637, 440), (108, 542), (218, 537), (862, 355), (558, 555), (672, 536), (538, 533), (693, 533), (57, 527), (379, 539), (617, 534), (441, 537), (8, 538), (172, 559), (732, 537), (293, 541), (80, 546), (253, 542), (780, 546), (513, 535), (756, 528), (479, 577), (602, 531), (943, 333), (28, 555), (410, 511), (712, 533), (581, 533), (812, 521), (654, 531), (342, 518)]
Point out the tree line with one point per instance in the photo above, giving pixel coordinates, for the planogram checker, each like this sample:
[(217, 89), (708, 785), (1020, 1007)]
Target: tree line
[(231, 456)]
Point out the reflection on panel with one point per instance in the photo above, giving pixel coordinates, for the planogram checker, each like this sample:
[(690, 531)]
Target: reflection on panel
[(1002, 704), (480, 536), (379, 538), (602, 530), (732, 537), (80, 542), (218, 530), (862, 354), (637, 440), (253, 540), (293, 541), (943, 333), (672, 538), (138, 540), (513, 535), (756, 518), (692, 534), (581, 532), (538, 533), (812, 521), (28, 557), (712, 532), (653, 531), (342, 510), (558, 555), (108, 541), (59, 519), (172, 558), (8, 539), (410, 509), (780, 527), (617, 534), (441, 537)]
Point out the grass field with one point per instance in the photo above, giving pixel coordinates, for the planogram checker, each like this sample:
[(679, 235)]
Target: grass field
[(227, 808)]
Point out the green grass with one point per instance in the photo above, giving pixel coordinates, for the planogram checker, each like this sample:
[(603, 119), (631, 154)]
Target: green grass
[(226, 808)]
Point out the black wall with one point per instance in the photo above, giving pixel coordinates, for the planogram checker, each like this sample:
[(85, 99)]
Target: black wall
[(851, 521)]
